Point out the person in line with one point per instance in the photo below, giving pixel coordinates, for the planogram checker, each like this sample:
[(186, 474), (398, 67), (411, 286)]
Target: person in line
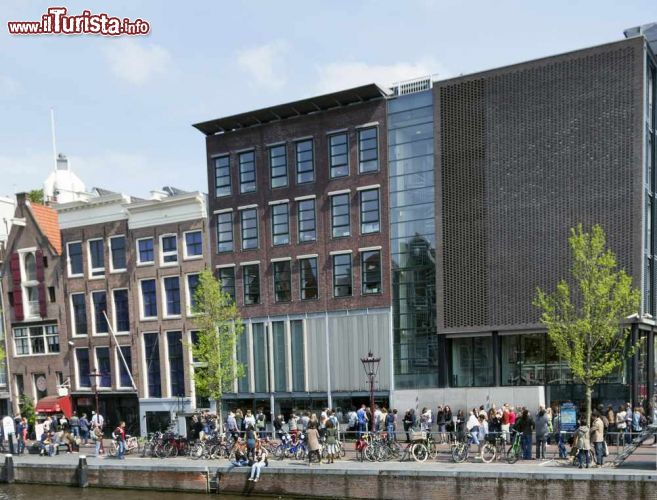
[(525, 425), (249, 419), (542, 432), (362, 421), (621, 424), (119, 435), (449, 422), (259, 462), (75, 425), (20, 436), (597, 438), (231, 426), (97, 423), (391, 425), (409, 423), (426, 420), (98, 437), (482, 431), (250, 442), (261, 424), (312, 437), (239, 420), (331, 434), (440, 422), (506, 422), (583, 443), (472, 427), (84, 429)]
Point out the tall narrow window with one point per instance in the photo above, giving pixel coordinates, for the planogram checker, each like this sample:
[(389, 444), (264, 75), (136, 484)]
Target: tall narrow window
[(278, 166), (368, 150), (176, 370), (339, 155), (225, 232), (222, 176), (369, 211), (192, 284), (280, 367), (340, 224), (305, 161), (307, 222), (117, 251), (249, 219), (96, 258), (260, 358), (298, 356), (172, 295), (124, 372), (242, 349), (193, 244), (103, 367), (342, 275), (169, 249), (251, 279), (145, 254), (226, 276), (99, 300), (308, 278), (148, 298), (83, 368), (371, 272), (152, 358), (79, 309), (75, 266), (282, 281), (121, 311), (247, 172), (280, 224)]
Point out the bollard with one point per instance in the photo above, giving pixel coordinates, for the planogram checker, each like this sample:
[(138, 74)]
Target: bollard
[(9, 469), (83, 472)]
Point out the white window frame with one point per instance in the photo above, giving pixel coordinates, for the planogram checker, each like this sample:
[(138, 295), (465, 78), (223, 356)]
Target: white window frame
[(118, 363), (94, 333), (77, 370), (68, 259), (96, 367), (188, 295), (89, 263), (141, 300), (167, 254), (163, 292), (125, 250), (146, 262), (73, 327), (186, 256), (114, 318), (29, 343), (25, 284)]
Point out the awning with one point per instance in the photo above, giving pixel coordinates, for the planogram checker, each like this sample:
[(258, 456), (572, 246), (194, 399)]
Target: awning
[(55, 404)]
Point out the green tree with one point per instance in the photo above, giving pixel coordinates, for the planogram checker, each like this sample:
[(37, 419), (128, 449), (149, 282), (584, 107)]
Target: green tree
[(585, 323), (219, 325), (36, 196), (27, 409)]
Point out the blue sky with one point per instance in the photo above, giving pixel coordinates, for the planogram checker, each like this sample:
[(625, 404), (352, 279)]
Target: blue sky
[(124, 106)]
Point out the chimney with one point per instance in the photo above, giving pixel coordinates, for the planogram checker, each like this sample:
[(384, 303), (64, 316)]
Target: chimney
[(21, 198)]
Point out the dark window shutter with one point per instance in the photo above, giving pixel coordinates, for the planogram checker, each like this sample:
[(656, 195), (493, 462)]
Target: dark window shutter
[(40, 275), (15, 268)]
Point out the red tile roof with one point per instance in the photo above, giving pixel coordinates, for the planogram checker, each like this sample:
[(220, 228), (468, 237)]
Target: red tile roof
[(48, 222)]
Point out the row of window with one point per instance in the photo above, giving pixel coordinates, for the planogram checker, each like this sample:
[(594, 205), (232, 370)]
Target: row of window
[(370, 279), (304, 156), (120, 317), (145, 249), (33, 340), (370, 221)]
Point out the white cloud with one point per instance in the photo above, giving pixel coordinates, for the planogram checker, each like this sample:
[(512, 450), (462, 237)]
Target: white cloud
[(343, 75), (265, 63), (136, 62), (8, 87)]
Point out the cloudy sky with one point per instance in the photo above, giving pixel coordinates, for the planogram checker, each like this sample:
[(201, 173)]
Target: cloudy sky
[(124, 106)]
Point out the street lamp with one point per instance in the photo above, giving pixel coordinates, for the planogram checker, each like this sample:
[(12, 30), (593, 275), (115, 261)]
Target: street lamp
[(96, 375), (371, 367)]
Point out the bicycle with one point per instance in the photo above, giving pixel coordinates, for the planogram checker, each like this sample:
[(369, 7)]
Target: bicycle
[(493, 448), (131, 443), (515, 450), (461, 449), (416, 448)]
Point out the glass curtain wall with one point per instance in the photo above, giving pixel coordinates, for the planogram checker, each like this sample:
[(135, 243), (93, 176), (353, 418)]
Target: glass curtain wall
[(413, 240)]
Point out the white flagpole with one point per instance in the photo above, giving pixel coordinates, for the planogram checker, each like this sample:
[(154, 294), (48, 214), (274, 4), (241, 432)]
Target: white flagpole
[(125, 363)]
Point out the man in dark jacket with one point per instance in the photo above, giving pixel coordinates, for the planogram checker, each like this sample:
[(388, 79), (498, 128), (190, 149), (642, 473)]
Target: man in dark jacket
[(525, 425)]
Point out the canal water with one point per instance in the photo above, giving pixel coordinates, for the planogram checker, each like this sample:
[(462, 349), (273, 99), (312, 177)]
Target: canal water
[(44, 492)]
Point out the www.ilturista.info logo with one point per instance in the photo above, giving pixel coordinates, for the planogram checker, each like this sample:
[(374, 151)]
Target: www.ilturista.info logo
[(56, 21)]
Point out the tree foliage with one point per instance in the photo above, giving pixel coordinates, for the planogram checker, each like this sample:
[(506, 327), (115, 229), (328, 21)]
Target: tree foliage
[(36, 196), (219, 325), (585, 323)]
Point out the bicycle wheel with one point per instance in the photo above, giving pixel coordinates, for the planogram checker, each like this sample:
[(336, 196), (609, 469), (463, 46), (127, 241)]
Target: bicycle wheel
[(196, 451), (172, 450), (395, 448), (460, 453), (370, 453), (113, 449), (432, 448), (342, 452), (279, 451), (159, 451), (420, 452), (488, 453), (512, 455)]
